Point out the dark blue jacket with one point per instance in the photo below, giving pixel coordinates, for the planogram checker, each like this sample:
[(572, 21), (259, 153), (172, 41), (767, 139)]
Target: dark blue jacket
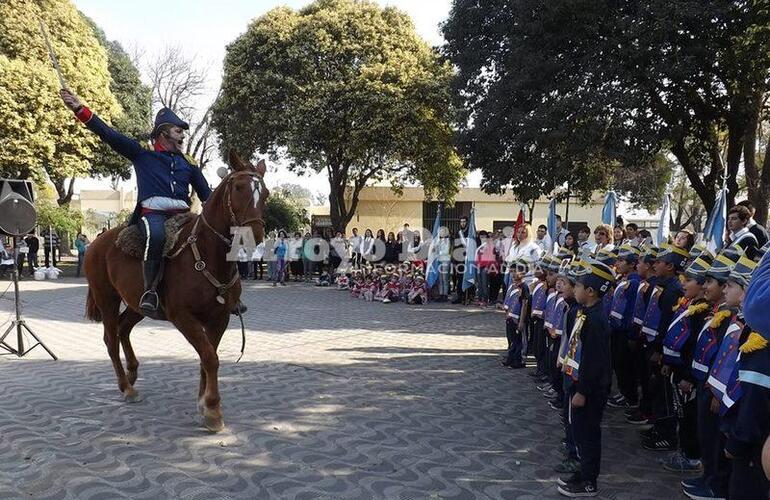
[(158, 173)]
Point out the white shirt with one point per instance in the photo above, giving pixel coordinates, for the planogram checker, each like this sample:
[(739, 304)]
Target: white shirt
[(546, 244), (743, 234), (530, 251), (355, 243), (163, 203)]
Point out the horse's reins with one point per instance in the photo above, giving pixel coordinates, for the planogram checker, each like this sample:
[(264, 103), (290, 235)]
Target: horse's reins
[(200, 264)]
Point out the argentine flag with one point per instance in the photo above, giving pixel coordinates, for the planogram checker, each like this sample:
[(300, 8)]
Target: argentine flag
[(714, 233), (433, 261)]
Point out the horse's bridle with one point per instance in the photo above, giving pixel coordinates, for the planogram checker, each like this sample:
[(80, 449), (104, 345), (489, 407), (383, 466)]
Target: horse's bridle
[(192, 239), (258, 184)]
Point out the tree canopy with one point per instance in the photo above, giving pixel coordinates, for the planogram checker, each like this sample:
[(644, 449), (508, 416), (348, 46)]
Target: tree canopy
[(39, 134), (342, 86), (593, 92), (135, 99)]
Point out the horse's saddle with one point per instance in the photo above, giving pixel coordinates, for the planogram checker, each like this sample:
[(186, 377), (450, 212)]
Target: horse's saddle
[(132, 242)]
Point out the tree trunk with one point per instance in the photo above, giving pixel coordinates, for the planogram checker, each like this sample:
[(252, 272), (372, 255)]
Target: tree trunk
[(758, 190), (705, 192), (65, 188)]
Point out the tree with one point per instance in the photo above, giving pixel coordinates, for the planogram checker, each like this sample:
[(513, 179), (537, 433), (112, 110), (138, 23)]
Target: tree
[(178, 83), (344, 87), (134, 97), (575, 91), (298, 195), (40, 136), (283, 213)]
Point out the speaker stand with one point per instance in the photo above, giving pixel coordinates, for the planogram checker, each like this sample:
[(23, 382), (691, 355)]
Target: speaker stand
[(20, 325)]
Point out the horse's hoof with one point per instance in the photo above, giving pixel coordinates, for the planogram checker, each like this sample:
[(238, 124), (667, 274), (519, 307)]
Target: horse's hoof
[(132, 396), (214, 424)]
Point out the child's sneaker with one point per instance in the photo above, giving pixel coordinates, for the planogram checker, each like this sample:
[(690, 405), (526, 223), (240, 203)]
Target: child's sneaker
[(579, 489), (544, 387), (677, 462), (575, 477), (659, 443), (556, 404), (568, 466), (550, 393), (695, 482), (703, 493)]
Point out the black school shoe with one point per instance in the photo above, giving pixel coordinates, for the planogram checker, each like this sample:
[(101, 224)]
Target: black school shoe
[(579, 490), (575, 477), (637, 418), (567, 466)]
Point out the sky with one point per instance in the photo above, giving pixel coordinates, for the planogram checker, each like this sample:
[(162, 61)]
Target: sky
[(204, 28)]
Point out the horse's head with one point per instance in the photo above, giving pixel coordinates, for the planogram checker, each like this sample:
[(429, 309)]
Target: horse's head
[(244, 194)]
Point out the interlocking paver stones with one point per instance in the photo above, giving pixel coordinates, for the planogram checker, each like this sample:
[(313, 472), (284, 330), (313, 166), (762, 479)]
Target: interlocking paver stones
[(335, 399)]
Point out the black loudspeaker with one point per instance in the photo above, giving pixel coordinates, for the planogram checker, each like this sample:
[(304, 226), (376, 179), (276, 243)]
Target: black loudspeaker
[(17, 209)]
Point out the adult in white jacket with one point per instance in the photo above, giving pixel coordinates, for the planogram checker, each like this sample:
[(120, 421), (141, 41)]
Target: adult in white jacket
[(523, 246)]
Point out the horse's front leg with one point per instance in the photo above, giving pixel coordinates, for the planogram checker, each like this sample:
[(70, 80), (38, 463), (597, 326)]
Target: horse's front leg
[(209, 399)]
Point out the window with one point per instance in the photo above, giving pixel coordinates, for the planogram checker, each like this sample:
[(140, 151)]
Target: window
[(450, 217)]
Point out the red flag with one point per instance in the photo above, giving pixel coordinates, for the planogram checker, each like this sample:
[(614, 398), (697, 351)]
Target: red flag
[(519, 223)]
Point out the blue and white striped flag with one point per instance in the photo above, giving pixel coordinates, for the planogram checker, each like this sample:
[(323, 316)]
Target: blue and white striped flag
[(610, 206), (714, 233), (663, 223), (469, 273), (433, 261)]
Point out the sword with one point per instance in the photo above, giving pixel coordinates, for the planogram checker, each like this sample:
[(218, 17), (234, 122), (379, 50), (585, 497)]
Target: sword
[(52, 56)]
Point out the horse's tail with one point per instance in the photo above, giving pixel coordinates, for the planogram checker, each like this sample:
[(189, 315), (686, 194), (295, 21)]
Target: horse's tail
[(92, 310)]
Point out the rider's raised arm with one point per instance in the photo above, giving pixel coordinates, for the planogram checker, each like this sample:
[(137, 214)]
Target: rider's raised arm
[(122, 145), (200, 184)]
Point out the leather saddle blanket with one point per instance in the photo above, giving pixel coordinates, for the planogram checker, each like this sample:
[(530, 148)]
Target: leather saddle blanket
[(131, 241)]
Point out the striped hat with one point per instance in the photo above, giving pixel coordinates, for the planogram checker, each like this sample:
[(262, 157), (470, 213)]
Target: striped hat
[(607, 256), (650, 254), (629, 253), (564, 253), (723, 264), (697, 268), (673, 255), (742, 271), (595, 275), (567, 271)]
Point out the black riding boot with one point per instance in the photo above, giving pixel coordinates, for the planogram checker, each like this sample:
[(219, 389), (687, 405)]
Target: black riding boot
[(149, 304)]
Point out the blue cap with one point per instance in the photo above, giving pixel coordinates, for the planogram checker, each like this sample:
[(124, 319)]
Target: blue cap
[(167, 117), (595, 275)]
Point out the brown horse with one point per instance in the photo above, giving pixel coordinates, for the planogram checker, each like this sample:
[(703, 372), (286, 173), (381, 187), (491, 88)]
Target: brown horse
[(200, 288)]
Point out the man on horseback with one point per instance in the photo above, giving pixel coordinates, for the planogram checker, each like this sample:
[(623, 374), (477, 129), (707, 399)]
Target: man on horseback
[(163, 177)]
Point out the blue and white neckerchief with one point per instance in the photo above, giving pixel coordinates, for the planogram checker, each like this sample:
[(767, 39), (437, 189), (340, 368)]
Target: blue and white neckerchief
[(706, 348), (560, 309), (512, 301)]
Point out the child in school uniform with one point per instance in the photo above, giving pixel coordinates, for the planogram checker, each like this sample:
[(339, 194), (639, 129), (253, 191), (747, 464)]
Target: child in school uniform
[(647, 280), (554, 324), (750, 423), (660, 314), (391, 291), (716, 469), (538, 290), (678, 352), (621, 324), (552, 391), (588, 363), (419, 292), (566, 283), (515, 306)]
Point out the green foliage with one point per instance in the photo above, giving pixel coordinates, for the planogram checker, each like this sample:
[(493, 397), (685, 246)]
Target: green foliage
[(282, 212), (135, 99), (49, 213), (343, 86), (591, 92), (40, 135)]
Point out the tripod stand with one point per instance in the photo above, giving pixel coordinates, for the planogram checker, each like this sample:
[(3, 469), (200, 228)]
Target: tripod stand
[(18, 324)]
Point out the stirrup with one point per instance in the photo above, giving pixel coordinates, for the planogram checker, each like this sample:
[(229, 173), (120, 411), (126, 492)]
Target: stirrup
[(147, 302)]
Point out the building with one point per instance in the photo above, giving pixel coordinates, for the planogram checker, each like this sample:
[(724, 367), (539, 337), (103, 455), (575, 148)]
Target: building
[(380, 208)]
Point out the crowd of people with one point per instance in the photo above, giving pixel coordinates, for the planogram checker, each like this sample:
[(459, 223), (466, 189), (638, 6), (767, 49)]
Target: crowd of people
[(674, 335)]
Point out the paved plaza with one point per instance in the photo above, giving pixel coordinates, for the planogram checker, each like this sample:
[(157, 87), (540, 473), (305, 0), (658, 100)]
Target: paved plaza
[(335, 398)]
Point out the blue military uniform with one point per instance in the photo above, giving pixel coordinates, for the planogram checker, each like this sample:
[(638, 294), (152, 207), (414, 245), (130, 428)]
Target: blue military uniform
[(163, 180)]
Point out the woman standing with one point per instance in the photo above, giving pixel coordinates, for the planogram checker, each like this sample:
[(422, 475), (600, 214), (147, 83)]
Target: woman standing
[(415, 252), (570, 243), (367, 246), (443, 249), (523, 246), (281, 249), (295, 256), (392, 247), (308, 265), (81, 242), (603, 235)]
